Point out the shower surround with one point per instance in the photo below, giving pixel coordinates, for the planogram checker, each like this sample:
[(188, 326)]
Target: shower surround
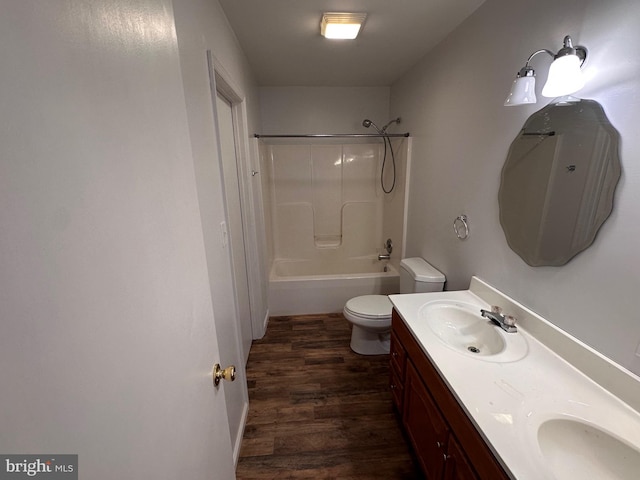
[(327, 221)]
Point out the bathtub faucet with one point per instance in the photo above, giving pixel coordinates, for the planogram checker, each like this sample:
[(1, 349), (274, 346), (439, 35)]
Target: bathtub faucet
[(388, 246)]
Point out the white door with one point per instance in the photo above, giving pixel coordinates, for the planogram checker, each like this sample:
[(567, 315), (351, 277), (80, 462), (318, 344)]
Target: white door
[(234, 217), (107, 335)]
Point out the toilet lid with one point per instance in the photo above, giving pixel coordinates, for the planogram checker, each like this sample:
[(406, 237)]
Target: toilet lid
[(370, 306)]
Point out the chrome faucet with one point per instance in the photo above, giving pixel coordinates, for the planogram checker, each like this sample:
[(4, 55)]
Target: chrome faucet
[(388, 246), (505, 322)]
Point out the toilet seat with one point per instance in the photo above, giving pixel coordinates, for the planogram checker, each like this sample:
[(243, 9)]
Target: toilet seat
[(371, 307)]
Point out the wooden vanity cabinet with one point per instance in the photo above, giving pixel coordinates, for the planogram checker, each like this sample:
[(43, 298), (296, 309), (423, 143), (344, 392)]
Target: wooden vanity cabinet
[(447, 444)]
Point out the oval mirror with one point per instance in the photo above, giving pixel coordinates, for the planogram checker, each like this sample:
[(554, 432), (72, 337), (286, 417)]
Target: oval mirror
[(558, 182)]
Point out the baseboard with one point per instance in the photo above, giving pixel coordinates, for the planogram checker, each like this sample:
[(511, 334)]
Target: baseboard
[(240, 435), (265, 324)]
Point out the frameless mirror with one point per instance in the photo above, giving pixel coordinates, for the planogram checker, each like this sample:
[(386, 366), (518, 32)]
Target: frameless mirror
[(558, 181)]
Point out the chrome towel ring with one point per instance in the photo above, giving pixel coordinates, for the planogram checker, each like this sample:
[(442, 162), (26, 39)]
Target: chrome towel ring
[(461, 227)]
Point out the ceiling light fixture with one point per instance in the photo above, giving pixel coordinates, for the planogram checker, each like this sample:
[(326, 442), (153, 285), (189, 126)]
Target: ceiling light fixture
[(345, 26), (565, 76)]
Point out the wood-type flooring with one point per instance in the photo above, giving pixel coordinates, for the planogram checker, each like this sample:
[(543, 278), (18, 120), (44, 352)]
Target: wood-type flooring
[(317, 410)]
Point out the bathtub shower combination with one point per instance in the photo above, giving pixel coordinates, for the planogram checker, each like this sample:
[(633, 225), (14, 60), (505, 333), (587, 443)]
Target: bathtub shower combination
[(327, 221), (307, 286)]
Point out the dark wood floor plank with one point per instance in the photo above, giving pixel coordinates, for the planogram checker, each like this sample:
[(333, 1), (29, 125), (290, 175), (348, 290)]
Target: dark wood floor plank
[(317, 410), (373, 463)]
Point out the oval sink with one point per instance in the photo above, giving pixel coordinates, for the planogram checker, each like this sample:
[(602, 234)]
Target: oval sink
[(460, 327), (573, 449)]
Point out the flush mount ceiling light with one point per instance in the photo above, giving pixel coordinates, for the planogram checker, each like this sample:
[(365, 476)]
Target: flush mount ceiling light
[(565, 75), (344, 26)]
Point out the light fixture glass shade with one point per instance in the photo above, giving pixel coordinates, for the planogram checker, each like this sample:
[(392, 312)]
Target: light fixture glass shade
[(523, 91), (565, 77), (345, 26), (345, 31)]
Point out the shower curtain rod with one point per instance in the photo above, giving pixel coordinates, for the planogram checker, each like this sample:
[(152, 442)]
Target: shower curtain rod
[(336, 135)]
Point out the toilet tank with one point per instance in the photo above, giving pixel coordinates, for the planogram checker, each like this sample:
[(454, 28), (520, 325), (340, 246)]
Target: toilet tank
[(418, 276)]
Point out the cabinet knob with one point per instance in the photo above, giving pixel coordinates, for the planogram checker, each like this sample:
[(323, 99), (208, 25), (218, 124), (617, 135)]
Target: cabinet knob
[(394, 354), (439, 444), (445, 457)]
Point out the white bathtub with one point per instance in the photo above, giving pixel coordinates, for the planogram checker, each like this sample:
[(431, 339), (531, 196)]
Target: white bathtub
[(304, 286)]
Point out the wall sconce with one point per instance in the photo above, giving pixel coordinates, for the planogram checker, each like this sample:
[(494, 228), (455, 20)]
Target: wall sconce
[(565, 76), (345, 26)]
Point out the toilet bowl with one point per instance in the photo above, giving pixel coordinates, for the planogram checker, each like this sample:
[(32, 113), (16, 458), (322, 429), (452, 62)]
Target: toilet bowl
[(370, 315)]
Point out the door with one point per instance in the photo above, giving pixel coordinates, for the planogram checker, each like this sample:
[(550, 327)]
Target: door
[(234, 217), (108, 336)]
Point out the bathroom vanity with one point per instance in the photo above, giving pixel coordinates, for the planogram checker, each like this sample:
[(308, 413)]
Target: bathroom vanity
[(446, 443), (477, 402)]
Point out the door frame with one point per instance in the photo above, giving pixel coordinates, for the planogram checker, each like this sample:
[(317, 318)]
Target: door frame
[(220, 81)]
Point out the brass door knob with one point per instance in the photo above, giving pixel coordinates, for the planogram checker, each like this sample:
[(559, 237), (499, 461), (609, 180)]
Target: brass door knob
[(228, 373)]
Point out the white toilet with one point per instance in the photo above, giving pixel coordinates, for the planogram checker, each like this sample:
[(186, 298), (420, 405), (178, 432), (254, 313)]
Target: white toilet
[(370, 315)]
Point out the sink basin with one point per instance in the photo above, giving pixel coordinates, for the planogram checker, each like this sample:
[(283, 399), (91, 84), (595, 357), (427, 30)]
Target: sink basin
[(573, 449), (464, 329), (460, 326)]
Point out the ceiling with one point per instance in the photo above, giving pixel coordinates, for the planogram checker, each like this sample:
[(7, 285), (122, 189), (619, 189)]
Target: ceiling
[(281, 38)]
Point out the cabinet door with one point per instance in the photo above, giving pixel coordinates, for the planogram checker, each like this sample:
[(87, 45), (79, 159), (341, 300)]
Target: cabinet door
[(396, 372), (397, 390), (397, 356), (456, 466), (426, 429)]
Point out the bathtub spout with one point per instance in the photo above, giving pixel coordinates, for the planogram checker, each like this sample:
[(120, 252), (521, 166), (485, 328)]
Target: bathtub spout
[(384, 257)]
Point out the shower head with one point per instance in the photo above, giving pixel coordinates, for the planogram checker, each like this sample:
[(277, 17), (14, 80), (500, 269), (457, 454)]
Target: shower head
[(395, 120), (367, 123)]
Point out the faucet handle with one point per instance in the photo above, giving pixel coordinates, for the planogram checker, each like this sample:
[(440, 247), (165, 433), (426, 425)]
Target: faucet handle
[(388, 246), (496, 309), (509, 320)]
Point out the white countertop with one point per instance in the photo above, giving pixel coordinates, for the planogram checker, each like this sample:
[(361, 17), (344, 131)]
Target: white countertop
[(509, 400)]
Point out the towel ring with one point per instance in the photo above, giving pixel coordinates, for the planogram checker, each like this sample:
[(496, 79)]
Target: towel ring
[(461, 227)]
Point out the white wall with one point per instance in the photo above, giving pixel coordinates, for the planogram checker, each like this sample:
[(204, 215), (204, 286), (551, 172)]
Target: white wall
[(452, 104), (287, 110), (107, 337)]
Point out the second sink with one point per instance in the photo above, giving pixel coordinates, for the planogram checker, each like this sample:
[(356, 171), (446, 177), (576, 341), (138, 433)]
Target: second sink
[(575, 449)]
